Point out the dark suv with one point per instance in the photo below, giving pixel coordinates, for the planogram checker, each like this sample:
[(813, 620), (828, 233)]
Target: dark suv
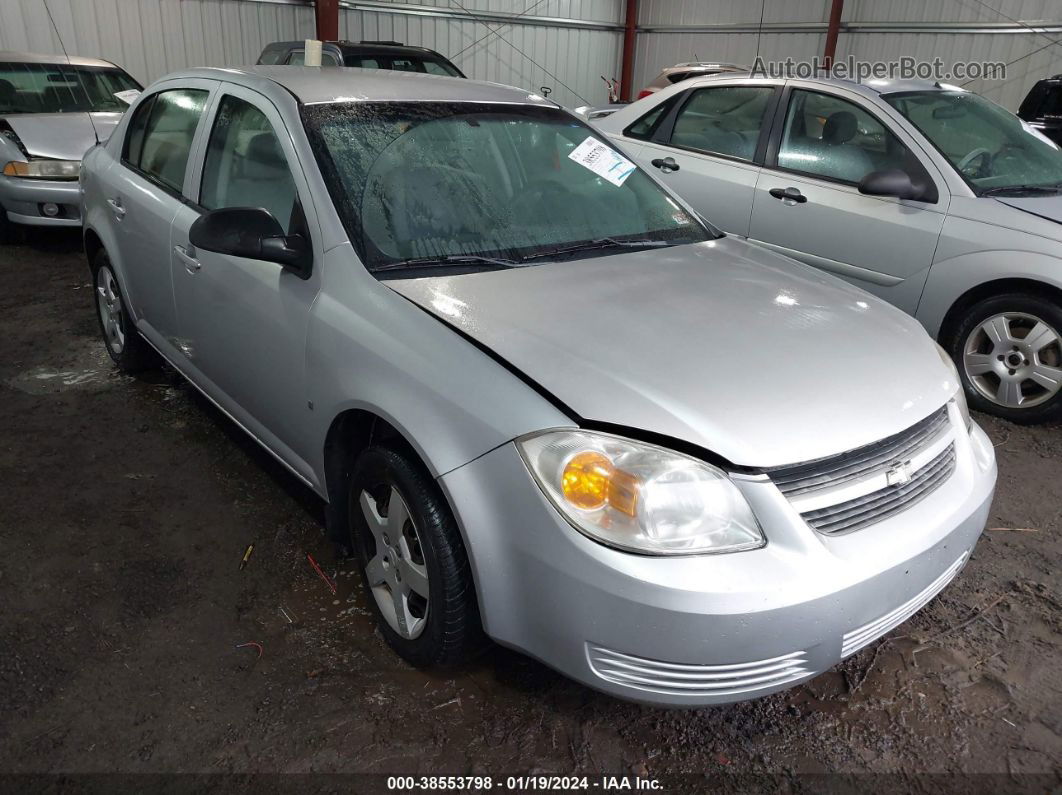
[(1042, 108), (364, 54)]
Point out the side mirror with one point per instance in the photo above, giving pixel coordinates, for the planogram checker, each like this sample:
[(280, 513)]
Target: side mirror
[(892, 182), (254, 233)]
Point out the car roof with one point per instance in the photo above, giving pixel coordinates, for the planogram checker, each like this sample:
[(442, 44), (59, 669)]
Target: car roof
[(12, 56), (871, 87), (363, 47), (314, 85), (706, 65)]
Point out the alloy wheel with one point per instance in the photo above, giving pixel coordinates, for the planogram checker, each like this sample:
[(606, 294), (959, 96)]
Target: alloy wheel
[(1014, 360), (112, 317), (396, 571)]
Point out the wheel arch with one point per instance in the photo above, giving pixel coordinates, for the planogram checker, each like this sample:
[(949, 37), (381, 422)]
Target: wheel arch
[(93, 245), (958, 283), (962, 304), (352, 431)]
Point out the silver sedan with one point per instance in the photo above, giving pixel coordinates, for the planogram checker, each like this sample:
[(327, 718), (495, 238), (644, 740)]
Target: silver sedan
[(929, 196), (543, 401)]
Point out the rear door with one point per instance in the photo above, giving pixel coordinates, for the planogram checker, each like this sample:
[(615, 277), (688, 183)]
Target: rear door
[(144, 194), (709, 146), (808, 205), (244, 321)]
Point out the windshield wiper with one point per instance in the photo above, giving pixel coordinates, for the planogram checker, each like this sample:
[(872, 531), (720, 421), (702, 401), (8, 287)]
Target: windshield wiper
[(450, 259), (1003, 190), (601, 243)]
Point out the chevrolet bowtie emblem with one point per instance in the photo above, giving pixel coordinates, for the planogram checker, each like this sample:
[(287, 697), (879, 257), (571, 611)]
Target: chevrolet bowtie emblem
[(899, 474)]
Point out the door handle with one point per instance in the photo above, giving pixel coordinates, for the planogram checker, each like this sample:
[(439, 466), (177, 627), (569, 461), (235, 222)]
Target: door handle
[(788, 195), (187, 256), (117, 208), (666, 164)]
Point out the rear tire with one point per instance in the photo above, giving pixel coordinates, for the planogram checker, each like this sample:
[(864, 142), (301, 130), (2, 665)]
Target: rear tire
[(124, 344), (1008, 349), (413, 561)]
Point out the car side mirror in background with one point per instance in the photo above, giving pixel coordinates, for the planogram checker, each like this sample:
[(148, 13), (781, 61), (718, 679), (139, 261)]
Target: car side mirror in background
[(892, 182), (254, 233)]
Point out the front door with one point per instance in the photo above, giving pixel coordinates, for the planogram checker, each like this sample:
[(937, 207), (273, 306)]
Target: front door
[(243, 322), (808, 204)]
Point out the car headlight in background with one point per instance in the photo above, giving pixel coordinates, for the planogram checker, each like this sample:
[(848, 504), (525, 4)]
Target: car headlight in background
[(639, 497), (960, 394), (43, 169)]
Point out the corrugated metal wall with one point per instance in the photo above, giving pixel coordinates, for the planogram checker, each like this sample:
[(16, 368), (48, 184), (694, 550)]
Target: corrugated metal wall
[(568, 44), (152, 37), (1001, 45), (568, 59), (734, 40), (796, 29)]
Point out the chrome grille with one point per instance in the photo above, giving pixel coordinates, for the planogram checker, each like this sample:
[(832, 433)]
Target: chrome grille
[(683, 679), (828, 473), (878, 505)]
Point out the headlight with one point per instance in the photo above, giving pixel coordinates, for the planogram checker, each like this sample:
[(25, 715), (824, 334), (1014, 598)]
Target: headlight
[(639, 497), (43, 169), (960, 394)]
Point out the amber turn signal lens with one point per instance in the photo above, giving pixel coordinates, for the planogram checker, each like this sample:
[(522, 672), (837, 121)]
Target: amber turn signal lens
[(585, 480), (590, 481), (623, 492)]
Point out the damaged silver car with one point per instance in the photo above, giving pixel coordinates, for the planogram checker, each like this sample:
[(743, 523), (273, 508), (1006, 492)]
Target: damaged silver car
[(544, 402), (52, 109)]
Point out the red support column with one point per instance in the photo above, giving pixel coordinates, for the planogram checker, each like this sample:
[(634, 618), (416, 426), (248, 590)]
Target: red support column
[(831, 33), (630, 33), (327, 12)]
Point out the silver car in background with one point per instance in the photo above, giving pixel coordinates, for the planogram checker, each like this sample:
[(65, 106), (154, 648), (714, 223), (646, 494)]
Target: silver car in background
[(542, 399), (933, 198), (52, 109)]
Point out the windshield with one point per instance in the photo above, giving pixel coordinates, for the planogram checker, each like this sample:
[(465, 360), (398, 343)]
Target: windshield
[(992, 149), (461, 180), (61, 88)]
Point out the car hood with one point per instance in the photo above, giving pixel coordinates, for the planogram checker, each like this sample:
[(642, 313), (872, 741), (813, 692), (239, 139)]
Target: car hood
[(61, 136), (1049, 207), (722, 344)]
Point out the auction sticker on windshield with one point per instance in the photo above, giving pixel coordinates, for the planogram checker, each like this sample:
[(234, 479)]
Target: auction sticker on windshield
[(603, 160)]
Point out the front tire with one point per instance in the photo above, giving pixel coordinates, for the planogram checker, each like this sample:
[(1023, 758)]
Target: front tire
[(124, 344), (1008, 349), (413, 561)]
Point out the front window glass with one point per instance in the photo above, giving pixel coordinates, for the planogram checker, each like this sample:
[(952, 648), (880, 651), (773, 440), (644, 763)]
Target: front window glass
[(245, 165), (426, 180), (61, 88), (725, 120), (831, 137), (993, 149)]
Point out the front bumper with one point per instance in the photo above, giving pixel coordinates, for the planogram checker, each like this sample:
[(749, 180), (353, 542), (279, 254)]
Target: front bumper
[(22, 200), (693, 631)]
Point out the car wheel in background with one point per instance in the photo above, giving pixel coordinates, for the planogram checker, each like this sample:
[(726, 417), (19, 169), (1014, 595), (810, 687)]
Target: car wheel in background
[(1008, 349), (123, 342), (413, 561)]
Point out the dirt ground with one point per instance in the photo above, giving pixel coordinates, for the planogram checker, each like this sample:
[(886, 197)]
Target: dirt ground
[(126, 505)]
